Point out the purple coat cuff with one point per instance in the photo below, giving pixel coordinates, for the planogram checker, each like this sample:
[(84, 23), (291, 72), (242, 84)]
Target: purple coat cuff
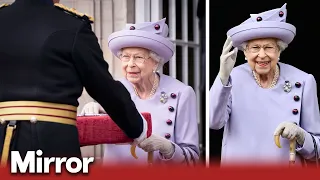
[(307, 149)]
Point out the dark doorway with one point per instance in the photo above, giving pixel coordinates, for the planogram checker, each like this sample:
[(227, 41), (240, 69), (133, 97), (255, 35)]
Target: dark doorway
[(302, 53)]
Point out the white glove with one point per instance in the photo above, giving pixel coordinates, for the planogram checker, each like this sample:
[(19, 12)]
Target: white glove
[(290, 131), (157, 143), (227, 61), (92, 108)]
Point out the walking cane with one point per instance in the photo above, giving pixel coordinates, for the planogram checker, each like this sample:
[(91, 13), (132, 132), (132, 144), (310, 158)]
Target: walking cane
[(150, 158), (292, 151), (292, 158), (150, 155)]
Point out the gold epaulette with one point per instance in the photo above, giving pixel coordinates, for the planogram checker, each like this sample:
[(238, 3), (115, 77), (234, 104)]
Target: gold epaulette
[(73, 11), (4, 5)]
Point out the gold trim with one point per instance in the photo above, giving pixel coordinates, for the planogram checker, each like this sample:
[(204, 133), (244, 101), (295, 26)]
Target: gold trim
[(38, 104), (74, 12), (33, 111), (42, 118), (4, 5), (38, 111)]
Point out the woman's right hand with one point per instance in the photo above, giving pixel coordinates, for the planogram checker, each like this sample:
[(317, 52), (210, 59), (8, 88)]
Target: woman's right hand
[(92, 108), (227, 61)]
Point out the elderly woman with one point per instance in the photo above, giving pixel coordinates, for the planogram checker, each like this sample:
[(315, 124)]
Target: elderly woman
[(143, 49), (264, 98)]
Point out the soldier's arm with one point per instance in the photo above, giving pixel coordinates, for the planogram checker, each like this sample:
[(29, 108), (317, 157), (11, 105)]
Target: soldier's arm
[(95, 76)]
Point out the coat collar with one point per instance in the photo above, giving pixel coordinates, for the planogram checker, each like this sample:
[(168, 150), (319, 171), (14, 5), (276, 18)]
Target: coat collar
[(285, 75), (161, 87)]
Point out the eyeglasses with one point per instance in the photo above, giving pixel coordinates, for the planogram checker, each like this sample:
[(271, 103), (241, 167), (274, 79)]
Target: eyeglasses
[(266, 48), (136, 59)]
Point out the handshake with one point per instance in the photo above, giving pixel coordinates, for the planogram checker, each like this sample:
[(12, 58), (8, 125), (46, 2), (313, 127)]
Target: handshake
[(150, 144)]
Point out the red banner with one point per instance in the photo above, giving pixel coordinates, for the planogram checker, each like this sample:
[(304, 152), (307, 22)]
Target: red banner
[(177, 172)]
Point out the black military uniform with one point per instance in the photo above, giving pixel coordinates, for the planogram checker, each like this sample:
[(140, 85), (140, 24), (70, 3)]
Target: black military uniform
[(48, 54)]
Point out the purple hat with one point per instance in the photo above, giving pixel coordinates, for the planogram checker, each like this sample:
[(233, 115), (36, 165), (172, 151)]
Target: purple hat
[(148, 35), (268, 24)]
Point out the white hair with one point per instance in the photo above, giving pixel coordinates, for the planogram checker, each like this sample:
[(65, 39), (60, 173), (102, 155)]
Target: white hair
[(152, 55), (282, 45)]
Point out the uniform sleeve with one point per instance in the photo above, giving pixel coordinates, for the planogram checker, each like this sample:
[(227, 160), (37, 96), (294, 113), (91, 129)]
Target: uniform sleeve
[(186, 130), (220, 103), (100, 85), (310, 119)]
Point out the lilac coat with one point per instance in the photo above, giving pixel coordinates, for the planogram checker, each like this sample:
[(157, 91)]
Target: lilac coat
[(250, 115), (183, 130)]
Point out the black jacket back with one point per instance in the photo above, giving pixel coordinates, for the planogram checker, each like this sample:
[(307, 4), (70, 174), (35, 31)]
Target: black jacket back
[(50, 55)]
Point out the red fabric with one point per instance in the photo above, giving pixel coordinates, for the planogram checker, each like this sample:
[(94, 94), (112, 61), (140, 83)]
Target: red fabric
[(94, 130), (156, 172)]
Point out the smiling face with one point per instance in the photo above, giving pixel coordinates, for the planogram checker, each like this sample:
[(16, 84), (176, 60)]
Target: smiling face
[(262, 55), (137, 65)]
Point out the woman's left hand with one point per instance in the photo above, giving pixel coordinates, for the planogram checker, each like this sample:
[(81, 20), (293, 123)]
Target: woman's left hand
[(290, 131), (158, 143)]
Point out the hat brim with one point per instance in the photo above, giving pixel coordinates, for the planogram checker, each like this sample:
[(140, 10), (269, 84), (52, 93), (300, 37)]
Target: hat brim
[(135, 38), (256, 30)]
